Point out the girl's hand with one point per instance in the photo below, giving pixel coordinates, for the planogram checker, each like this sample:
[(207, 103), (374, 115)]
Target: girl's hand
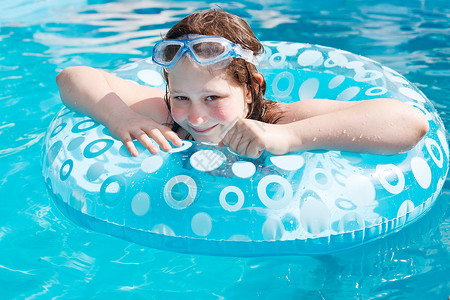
[(127, 125), (250, 138)]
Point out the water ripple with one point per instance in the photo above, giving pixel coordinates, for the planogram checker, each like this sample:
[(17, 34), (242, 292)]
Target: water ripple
[(27, 140)]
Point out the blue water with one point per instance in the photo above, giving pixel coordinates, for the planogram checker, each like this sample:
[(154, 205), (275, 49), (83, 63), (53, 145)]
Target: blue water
[(43, 255)]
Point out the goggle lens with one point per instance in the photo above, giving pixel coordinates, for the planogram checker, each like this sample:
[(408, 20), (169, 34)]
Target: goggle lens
[(208, 50), (169, 52)]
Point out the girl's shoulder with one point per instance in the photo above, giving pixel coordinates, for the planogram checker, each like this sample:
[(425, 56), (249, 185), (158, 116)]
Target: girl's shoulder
[(146, 100), (273, 111)]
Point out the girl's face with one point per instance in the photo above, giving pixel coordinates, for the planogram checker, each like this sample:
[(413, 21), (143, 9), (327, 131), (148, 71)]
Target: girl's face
[(205, 102)]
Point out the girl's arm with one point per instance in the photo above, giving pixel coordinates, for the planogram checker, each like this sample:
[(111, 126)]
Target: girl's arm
[(381, 126), (128, 110)]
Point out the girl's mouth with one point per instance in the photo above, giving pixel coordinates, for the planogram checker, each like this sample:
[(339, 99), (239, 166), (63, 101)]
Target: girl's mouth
[(204, 131)]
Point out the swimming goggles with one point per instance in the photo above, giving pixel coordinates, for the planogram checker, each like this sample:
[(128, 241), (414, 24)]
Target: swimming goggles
[(205, 50)]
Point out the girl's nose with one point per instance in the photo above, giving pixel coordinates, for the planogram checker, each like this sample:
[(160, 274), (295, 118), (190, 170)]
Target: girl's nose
[(197, 115)]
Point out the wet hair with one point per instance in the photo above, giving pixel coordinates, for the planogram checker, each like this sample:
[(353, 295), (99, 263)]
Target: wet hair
[(217, 22)]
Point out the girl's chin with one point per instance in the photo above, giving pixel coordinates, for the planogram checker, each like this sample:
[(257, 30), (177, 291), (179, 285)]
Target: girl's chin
[(206, 139)]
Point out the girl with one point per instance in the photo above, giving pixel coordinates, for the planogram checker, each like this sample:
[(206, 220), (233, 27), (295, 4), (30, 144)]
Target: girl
[(215, 94)]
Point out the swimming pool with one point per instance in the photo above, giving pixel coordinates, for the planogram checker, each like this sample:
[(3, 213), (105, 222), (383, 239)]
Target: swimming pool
[(43, 255)]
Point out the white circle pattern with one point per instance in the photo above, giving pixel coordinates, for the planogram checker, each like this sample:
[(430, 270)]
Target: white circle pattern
[(430, 143), (421, 171), (243, 169), (336, 81), (376, 91), (150, 77), (201, 224), (308, 89), (223, 198), (140, 203), (277, 59), (360, 190), (151, 164), (271, 203), (288, 162), (190, 197), (283, 93), (207, 160), (386, 171), (443, 141), (310, 58)]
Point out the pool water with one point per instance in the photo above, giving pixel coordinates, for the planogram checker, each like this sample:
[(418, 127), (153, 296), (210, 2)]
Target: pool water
[(43, 255)]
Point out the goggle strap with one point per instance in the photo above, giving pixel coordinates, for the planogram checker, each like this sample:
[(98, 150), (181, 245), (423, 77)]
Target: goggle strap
[(246, 54)]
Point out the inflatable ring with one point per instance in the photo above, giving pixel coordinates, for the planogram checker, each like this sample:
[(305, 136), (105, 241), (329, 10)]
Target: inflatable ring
[(200, 198)]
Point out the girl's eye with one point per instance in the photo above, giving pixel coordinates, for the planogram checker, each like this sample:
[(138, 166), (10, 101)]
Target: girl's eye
[(180, 98), (212, 98)]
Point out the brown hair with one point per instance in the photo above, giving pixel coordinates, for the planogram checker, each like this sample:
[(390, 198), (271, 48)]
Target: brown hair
[(217, 22)]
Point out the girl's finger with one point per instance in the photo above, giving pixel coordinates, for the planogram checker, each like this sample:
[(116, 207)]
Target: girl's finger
[(244, 144), (229, 136), (143, 138), (235, 142), (172, 136), (129, 145), (254, 152), (159, 138)]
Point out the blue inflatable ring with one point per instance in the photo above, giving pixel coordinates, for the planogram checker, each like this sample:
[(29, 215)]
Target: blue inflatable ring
[(201, 198)]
